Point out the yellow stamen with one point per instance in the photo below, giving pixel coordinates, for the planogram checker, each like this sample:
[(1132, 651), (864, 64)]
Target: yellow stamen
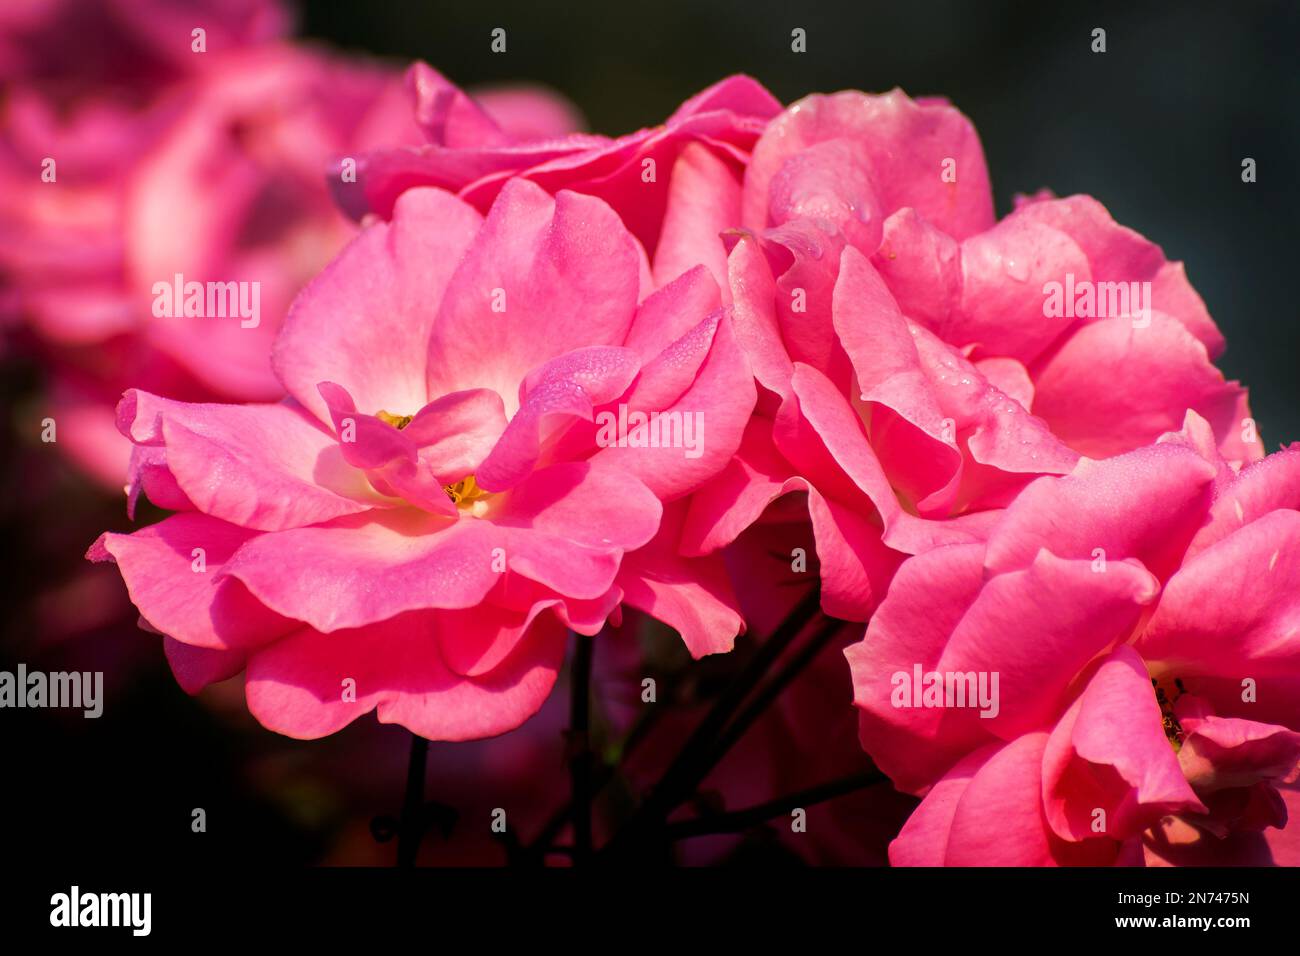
[(1167, 693), (397, 421), (467, 494)]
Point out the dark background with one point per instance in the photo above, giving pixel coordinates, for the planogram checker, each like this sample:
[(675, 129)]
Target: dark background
[(1156, 128)]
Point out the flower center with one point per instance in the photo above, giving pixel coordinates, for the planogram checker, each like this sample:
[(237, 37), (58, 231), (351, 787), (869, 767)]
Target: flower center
[(397, 421), (467, 495), (1168, 690)]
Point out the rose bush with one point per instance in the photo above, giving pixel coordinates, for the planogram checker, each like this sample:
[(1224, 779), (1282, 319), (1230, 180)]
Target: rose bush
[(973, 425)]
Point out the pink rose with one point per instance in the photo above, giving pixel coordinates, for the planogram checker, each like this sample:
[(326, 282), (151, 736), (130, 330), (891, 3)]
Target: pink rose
[(449, 484), (235, 191), (169, 162), (915, 374), (1111, 675), (220, 178), (675, 186)]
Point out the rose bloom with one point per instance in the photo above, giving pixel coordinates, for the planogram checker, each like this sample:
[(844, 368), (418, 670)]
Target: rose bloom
[(1141, 618), (437, 498), (91, 87), (914, 375), (676, 186), (209, 166)]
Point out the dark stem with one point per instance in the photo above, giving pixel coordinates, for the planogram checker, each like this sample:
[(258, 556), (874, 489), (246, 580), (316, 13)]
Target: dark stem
[(769, 692), (411, 829), (580, 747), (737, 820), (603, 774), (701, 751), (701, 740)]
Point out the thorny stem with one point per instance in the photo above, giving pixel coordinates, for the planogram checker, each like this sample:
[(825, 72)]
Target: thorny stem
[(769, 692), (737, 820), (580, 757), (701, 740), (703, 749), (411, 829), (726, 722), (544, 842)]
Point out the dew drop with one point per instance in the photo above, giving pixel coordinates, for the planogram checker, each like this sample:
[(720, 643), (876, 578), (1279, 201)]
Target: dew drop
[(1018, 269)]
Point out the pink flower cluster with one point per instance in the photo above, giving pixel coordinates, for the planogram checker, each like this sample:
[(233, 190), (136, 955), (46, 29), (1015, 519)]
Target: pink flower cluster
[(541, 376)]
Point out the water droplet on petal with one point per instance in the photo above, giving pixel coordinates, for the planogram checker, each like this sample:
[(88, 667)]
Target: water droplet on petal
[(1018, 269)]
